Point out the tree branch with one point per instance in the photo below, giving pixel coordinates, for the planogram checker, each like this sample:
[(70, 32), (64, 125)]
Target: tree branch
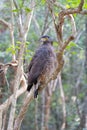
[(23, 110), (63, 103), (66, 43), (18, 93), (61, 17), (12, 31), (81, 5), (28, 18), (2, 21), (83, 12), (15, 3), (23, 30)]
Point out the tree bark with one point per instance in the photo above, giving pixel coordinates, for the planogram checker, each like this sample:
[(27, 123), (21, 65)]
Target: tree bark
[(63, 103)]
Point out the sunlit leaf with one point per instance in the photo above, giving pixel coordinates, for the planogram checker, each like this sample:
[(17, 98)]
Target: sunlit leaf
[(27, 9), (15, 10), (27, 43), (11, 49), (55, 44), (18, 42), (43, 1), (72, 44), (67, 6)]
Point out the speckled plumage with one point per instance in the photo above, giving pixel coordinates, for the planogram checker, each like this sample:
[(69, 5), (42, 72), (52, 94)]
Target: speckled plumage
[(42, 64)]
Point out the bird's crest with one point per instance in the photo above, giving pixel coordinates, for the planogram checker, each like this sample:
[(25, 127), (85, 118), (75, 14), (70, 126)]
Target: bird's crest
[(44, 38)]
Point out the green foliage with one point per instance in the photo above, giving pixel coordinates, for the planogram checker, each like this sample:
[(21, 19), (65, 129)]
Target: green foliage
[(55, 44), (28, 10), (73, 3), (43, 2), (72, 44), (11, 49), (16, 10)]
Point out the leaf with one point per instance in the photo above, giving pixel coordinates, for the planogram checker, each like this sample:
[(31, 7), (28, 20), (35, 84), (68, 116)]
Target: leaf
[(73, 3), (18, 42), (27, 43), (81, 95), (15, 10), (11, 49), (72, 44), (85, 6), (67, 6), (27, 10), (17, 47), (56, 14), (73, 52), (55, 44), (43, 2)]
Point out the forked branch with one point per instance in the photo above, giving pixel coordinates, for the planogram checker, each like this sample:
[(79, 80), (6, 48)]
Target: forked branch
[(61, 16)]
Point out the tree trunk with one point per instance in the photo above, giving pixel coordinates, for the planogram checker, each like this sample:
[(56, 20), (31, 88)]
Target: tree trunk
[(36, 115), (63, 103), (86, 48), (47, 110)]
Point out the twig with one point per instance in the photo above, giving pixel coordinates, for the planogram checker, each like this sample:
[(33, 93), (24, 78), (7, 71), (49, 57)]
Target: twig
[(15, 3), (2, 21), (28, 19), (66, 43)]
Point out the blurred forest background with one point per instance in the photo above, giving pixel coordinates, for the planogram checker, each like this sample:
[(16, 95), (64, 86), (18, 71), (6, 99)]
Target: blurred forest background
[(62, 105)]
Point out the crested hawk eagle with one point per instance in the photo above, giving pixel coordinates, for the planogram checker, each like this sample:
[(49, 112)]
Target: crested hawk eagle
[(42, 65)]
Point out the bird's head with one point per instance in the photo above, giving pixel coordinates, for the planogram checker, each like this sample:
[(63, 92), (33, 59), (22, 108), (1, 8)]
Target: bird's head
[(46, 39)]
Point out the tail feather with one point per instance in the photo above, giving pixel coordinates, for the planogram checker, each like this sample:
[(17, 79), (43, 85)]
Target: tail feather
[(29, 87)]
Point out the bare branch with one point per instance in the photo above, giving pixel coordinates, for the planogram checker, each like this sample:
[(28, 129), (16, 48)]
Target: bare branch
[(12, 30), (18, 93), (76, 89), (79, 34), (62, 14), (10, 26), (59, 5), (21, 115), (2, 21), (37, 25), (66, 43), (29, 18), (19, 22), (23, 30), (15, 3), (84, 12), (45, 22), (1, 112), (81, 5), (73, 25)]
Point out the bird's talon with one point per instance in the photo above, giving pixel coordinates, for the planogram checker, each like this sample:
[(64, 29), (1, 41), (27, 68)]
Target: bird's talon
[(35, 93)]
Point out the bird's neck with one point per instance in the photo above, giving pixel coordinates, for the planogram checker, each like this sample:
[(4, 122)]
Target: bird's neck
[(47, 43)]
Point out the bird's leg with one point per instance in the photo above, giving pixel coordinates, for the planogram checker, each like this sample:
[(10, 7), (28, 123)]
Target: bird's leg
[(36, 90)]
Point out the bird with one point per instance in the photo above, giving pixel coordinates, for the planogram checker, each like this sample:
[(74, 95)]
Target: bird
[(42, 65)]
